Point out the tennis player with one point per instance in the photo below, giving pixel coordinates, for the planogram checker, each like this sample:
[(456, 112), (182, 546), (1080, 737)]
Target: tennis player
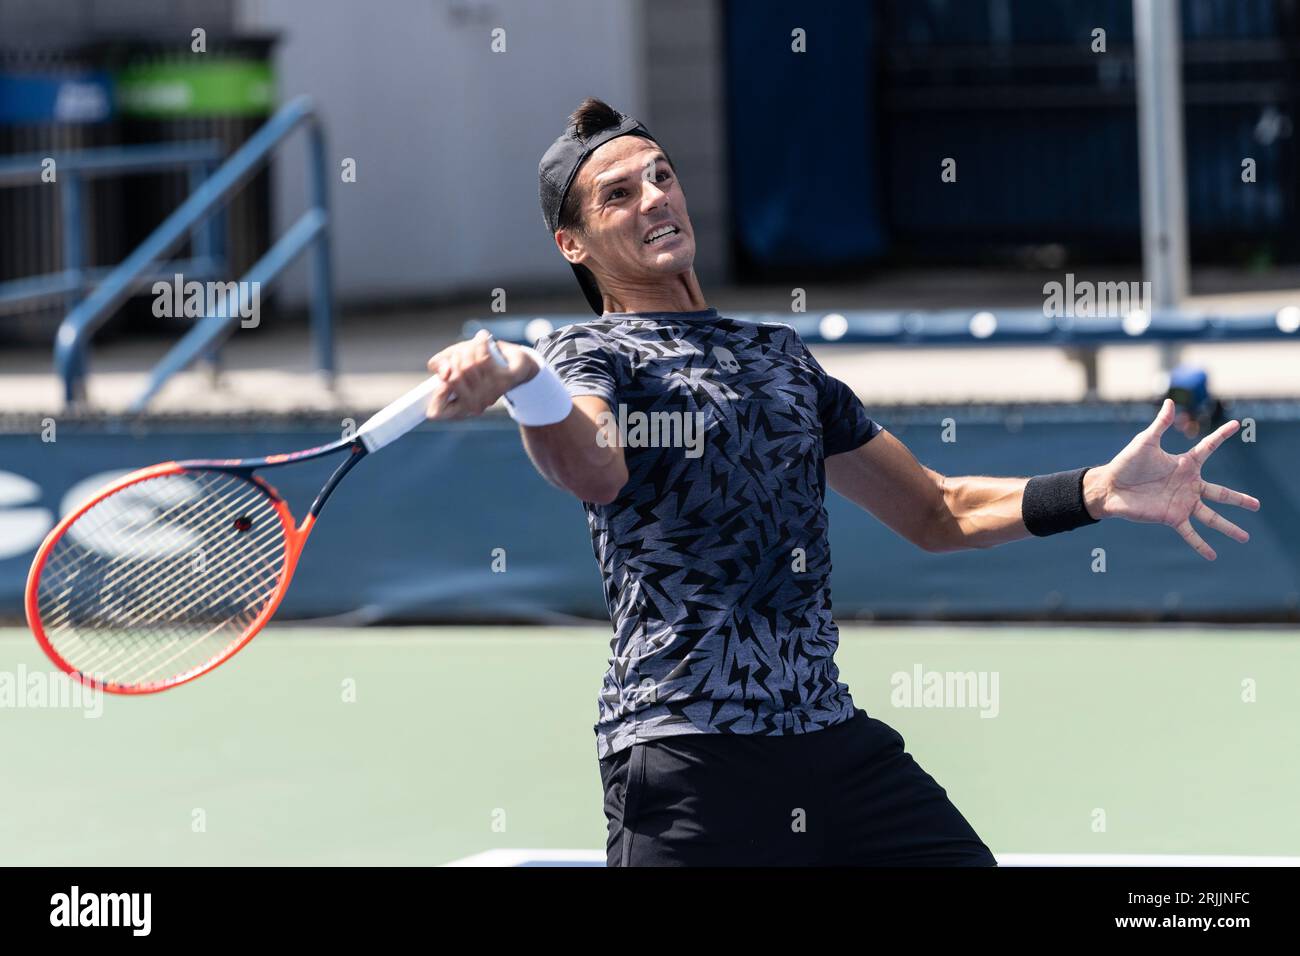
[(725, 735)]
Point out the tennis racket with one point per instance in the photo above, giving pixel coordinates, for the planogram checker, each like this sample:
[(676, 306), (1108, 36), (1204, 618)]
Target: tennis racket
[(171, 570)]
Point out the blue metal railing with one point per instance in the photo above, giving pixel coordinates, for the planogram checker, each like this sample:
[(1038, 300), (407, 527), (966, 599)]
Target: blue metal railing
[(958, 327), (310, 230), (71, 172), (1082, 336)]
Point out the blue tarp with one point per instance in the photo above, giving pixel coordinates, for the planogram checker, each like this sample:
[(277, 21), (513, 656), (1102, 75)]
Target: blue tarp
[(802, 151)]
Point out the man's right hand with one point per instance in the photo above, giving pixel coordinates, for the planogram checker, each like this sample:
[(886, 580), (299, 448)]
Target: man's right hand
[(472, 379), (568, 454)]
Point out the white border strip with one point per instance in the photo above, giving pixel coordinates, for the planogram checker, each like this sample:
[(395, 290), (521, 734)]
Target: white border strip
[(1139, 859), (597, 858)]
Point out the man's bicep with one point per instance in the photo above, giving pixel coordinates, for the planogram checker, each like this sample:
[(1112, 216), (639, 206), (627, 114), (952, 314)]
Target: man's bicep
[(580, 454), (884, 478)]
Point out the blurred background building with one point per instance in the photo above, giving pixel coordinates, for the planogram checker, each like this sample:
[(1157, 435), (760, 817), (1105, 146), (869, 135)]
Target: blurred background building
[(796, 166)]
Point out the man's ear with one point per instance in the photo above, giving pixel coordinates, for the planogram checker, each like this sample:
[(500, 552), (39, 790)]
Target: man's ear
[(571, 246)]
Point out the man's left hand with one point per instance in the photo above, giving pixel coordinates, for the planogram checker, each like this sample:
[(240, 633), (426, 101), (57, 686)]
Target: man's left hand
[(1146, 483)]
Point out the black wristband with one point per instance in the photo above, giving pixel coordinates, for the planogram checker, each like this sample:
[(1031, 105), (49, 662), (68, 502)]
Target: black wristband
[(1054, 503)]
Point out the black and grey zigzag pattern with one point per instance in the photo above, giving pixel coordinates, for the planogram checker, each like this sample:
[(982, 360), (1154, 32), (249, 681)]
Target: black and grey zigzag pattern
[(716, 565)]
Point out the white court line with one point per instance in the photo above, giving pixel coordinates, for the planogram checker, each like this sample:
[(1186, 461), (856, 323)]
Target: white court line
[(1140, 859), (597, 858), (518, 857)]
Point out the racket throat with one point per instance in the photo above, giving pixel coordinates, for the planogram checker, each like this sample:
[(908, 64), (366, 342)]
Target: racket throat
[(355, 454)]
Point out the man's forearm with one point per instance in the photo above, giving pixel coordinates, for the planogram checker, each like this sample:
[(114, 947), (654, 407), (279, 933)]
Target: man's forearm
[(979, 512), (983, 512)]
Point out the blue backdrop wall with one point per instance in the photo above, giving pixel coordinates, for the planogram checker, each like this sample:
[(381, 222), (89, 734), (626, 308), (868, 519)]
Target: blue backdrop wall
[(410, 535)]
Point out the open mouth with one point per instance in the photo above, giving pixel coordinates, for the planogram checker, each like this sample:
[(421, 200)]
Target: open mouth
[(660, 234)]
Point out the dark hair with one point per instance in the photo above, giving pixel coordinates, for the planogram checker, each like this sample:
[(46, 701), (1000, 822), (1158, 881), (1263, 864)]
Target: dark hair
[(591, 116)]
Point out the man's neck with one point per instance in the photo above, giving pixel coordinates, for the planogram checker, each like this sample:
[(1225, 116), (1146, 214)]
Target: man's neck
[(680, 294)]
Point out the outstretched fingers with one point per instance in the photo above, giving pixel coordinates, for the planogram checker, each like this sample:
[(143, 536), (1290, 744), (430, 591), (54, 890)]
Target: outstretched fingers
[(1226, 496), (1211, 519), (1194, 540), (1206, 446), (1164, 418)]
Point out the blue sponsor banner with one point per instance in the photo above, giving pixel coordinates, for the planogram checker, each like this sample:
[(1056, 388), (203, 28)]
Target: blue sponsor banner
[(453, 523), (80, 96)]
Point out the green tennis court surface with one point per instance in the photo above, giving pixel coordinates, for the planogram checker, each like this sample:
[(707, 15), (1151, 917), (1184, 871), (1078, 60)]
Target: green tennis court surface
[(424, 746)]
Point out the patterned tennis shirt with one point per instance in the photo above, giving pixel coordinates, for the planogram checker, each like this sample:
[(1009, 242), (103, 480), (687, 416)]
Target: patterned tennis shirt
[(715, 557)]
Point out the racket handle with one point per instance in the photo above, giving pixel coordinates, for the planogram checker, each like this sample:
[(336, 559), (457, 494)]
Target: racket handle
[(399, 417)]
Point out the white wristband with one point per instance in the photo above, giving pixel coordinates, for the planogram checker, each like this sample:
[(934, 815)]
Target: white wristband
[(542, 400)]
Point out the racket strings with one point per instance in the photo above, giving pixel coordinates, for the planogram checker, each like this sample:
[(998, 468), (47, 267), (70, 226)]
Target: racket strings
[(170, 615), (105, 613), (96, 600), (135, 666), (162, 577), (126, 605), (99, 602), (145, 657), (166, 598)]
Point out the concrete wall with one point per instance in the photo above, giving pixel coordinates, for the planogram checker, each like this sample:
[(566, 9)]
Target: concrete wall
[(446, 133), (49, 20)]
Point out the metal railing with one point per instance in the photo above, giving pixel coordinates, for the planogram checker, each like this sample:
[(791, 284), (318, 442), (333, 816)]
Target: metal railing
[(956, 327), (71, 171), (208, 195), (1082, 336)]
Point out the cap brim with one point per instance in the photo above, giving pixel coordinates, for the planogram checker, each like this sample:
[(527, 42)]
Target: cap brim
[(589, 288)]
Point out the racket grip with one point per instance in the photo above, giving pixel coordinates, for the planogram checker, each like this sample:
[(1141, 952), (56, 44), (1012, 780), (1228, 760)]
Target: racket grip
[(399, 417)]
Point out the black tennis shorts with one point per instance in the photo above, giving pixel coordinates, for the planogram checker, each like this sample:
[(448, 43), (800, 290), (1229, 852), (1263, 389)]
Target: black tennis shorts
[(848, 795)]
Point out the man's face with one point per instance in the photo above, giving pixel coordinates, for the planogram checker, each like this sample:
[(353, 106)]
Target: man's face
[(629, 193)]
